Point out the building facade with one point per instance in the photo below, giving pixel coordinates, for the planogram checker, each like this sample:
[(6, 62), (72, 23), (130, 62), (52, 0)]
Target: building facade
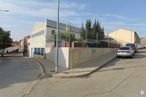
[(143, 41), (42, 38), (124, 36)]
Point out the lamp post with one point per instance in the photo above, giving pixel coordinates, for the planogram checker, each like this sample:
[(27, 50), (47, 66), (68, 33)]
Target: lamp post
[(56, 67)]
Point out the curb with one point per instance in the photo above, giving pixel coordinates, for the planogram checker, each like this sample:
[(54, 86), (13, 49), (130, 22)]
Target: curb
[(43, 72), (87, 74)]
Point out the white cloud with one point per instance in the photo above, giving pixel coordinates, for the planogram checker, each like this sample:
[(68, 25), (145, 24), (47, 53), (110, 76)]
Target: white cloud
[(21, 13), (115, 16), (38, 9)]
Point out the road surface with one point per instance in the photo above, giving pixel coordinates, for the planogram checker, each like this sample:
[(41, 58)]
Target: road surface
[(123, 77), (17, 76), (120, 78)]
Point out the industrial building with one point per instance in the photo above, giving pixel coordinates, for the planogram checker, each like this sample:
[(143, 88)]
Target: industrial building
[(41, 37), (124, 36), (143, 41)]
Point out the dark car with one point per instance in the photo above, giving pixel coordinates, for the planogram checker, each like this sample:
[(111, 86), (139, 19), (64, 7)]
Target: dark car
[(133, 46)]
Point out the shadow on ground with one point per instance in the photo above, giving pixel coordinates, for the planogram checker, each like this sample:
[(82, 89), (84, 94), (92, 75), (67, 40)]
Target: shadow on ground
[(139, 55), (17, 70)]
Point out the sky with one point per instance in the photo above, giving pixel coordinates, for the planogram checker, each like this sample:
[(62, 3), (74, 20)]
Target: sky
[(112, 14)]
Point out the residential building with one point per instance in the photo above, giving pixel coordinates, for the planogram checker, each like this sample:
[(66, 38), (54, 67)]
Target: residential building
[(14, 48), (16, 43), (124, 36), (42, 37), (24, 45)]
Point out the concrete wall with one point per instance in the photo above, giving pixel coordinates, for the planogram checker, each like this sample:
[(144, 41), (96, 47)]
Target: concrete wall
[(63, 56), (70, 57), (79, 56)]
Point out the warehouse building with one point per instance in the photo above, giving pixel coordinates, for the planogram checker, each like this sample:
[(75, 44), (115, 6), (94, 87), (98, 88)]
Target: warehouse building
[(143, 41), (124, 36), (41, 38)]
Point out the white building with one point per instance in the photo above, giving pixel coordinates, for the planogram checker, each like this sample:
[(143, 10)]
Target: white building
[(41, 39)]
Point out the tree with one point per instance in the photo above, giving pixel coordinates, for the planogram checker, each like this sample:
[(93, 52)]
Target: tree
[(53, 37), (82, 33), (67, 36), (95, 31), (88, 30), (92, 33), (5, 40)]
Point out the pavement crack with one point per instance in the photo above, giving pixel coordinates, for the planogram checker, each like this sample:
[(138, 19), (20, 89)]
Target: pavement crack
[(116, 94), (31, 89), (95, 93), (122, 81)]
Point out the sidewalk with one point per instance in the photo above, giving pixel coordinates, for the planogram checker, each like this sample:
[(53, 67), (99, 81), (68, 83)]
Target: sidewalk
[(48, 67), (79, 71)]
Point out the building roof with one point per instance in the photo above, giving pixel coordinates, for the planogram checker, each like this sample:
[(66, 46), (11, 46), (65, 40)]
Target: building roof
[(131, 31), (53, 24)]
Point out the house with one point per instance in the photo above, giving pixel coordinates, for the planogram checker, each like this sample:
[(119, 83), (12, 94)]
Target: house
[(25, 45)]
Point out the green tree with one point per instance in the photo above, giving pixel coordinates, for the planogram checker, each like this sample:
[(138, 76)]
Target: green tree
[(93, 33), (82, 33), (101, 34), (70, 36), (67, 36), (53, 37), (5, 40), (88, 30)]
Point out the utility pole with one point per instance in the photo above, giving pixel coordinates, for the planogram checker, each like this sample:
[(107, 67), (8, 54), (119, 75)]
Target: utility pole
[(56, 67)]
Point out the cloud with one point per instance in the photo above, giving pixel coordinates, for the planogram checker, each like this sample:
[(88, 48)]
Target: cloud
[(40, 9), (115, 16), (23, 14)]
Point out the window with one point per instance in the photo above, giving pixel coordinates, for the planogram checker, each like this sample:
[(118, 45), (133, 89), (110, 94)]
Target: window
[(39, 51)]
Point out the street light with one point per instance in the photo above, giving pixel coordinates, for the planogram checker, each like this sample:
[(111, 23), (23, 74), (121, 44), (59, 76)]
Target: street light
[(56, 67)]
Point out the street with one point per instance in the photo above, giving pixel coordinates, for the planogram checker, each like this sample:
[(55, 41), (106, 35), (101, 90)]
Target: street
[(17, 76), (123, 77), (72, 48), (120, 78)]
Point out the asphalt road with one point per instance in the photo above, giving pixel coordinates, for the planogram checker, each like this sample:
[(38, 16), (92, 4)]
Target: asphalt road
[(17, 76), (123, 77)]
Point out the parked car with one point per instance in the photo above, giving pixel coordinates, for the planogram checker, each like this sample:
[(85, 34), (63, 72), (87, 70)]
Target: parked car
[(1, 52), (139, 46), (125, 51), (133, 46)]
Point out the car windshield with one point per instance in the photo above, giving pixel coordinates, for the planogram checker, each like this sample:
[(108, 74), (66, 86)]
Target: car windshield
[(132, 45), (124, 48)]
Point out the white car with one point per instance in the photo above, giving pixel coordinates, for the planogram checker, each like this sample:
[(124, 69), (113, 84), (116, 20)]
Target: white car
[(1, 52), (125, 51), (139, 46)]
